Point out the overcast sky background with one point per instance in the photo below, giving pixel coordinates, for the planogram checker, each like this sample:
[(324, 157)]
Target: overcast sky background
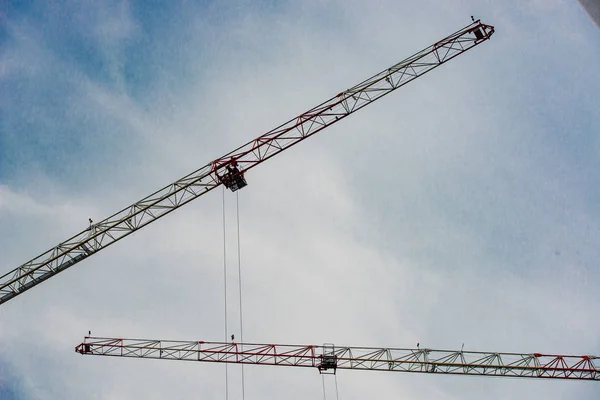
[(463, 208)]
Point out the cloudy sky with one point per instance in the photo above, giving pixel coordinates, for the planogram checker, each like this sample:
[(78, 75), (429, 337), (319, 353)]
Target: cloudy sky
[(461, 209)]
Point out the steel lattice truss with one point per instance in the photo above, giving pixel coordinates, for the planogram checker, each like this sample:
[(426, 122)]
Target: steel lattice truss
[(175, 195), (329, 358)]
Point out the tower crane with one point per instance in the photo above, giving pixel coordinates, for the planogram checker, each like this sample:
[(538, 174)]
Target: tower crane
[(329, 358), (229, 170)]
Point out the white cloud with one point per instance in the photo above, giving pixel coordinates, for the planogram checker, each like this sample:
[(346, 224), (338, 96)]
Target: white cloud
[(444, 214)]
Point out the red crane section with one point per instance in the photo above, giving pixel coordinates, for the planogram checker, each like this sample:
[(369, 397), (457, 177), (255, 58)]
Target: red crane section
[(330, 358), (229, 169), (353, 99)]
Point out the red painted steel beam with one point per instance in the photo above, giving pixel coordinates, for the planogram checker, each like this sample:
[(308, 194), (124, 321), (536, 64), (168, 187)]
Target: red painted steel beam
[(330, 358), (100, 235)]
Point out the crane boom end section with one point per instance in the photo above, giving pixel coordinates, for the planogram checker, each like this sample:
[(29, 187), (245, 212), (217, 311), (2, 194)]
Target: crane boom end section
[(482, 31)]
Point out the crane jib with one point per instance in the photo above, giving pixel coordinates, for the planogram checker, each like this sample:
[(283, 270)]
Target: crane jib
[(229, 169), (329, 358)]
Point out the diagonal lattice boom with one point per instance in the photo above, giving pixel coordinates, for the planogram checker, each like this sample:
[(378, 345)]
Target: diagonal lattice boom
[(106, 232)]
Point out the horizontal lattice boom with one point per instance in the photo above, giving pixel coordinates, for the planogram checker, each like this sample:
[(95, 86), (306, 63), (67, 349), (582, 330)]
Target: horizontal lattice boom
[(330, 357)]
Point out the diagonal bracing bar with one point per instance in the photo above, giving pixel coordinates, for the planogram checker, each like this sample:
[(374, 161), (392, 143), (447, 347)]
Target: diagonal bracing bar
[(160, 203), (329, 358)]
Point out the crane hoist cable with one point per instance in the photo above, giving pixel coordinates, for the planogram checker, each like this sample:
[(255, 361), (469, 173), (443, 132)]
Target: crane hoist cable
[(239, 271), (226, 330), (239, 254), (337, 393), (229, 170)]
